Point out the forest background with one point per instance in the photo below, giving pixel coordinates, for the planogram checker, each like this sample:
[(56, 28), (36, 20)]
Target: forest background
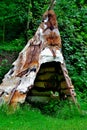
[(19, 20)]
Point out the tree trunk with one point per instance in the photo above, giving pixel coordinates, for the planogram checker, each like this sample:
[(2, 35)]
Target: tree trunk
[(3, 31)]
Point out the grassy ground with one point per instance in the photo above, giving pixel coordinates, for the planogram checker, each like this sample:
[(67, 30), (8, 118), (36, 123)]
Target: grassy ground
[(32, 119)]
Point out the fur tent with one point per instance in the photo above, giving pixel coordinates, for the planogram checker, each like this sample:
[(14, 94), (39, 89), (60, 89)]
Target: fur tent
[(39, 70)]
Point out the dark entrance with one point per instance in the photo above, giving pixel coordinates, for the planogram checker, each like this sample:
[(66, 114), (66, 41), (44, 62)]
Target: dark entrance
[(49, 83)]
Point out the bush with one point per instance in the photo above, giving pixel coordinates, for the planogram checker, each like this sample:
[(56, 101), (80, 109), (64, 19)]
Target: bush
[(72, 19), (14, 45), (4, 67), (58, 109)]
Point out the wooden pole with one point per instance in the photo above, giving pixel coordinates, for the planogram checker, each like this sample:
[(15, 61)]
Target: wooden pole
[(28, 21), (69, 85), (52, 3), (3, 30), (13, 92)]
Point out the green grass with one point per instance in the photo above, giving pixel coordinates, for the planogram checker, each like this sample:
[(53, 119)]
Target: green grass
[(27, 118), (15, 45), (11, 48)]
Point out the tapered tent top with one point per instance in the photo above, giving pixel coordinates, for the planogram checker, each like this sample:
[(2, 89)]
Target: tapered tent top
[(44, 47)]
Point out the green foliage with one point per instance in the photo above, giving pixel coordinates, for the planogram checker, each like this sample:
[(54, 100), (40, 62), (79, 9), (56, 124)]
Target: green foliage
[(14, 45), (72, 19), (82, 98), (7, 19), (20, 17), (4, 67), (57, 109)]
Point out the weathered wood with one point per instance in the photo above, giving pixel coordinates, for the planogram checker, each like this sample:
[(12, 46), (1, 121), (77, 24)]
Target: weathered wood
[(37, 93), (47, 69), (13, 92), (70, 87)]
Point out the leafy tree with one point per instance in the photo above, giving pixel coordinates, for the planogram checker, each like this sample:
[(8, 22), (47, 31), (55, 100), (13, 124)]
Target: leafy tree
[(72, 17)]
